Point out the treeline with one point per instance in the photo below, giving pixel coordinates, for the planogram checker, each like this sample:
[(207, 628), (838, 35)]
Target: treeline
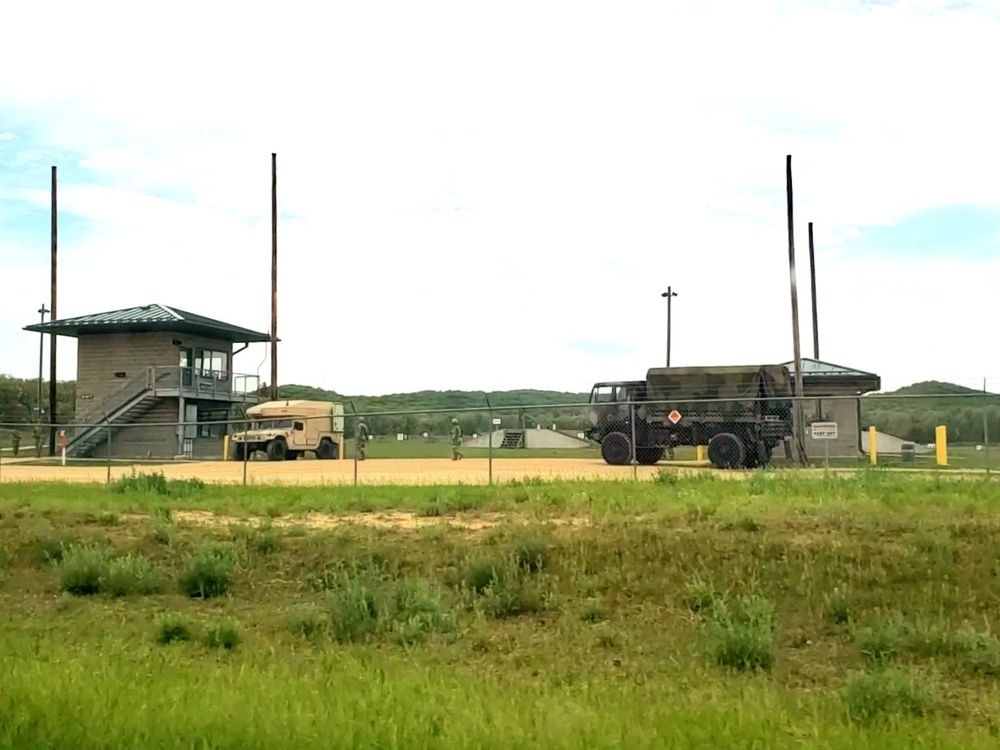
[(520, 408), (19, 400), (914, 412)]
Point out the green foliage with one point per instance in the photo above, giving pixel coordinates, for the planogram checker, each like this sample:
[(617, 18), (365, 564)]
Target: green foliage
[(871, 697), (224, 635), (156, 483), (742, 633), (130, 575), (172, 627), (82, 568), (208, 572)]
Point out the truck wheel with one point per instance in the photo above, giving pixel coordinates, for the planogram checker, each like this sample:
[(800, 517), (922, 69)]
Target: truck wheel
[(277, 449), (726, 451), (238, 451), (616, 449), (293, 455), (326, 449), (648, 454)]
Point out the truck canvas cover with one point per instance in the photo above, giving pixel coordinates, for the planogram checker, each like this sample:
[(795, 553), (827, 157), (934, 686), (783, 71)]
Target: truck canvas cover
[(718, 388)]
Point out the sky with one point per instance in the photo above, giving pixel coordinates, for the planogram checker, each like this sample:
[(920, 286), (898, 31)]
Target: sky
[(488, 196)]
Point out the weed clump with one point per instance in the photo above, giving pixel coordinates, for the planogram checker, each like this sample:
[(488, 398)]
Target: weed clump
[(224, 635), (208, 572), (156, 483), (870, 697), (505, 587), (742, 633), (173, 627), (82, 568), (130, 575)]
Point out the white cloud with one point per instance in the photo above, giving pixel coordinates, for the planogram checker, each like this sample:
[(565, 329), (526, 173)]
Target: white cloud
[(473, 192)]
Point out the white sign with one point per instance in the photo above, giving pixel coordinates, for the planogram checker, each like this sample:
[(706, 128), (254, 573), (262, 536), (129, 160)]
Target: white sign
[(496, 420), (824, 430)]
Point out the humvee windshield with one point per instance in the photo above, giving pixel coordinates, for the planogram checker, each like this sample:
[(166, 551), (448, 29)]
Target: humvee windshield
[(272, 424)]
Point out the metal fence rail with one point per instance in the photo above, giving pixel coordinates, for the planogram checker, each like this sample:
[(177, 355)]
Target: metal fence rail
[(613, 438)]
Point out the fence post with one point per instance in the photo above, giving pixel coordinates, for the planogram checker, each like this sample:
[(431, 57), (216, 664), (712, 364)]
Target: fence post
[(109, 447), (355, 443), (635, 465), (941, 444), (489, 434), (246, 448), (986, 431), (872, 446)]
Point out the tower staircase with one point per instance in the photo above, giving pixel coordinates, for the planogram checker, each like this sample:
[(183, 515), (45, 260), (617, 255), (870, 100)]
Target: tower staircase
[(124, 406)]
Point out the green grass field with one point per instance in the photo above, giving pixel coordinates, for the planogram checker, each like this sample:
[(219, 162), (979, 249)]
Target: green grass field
[(775, 612)]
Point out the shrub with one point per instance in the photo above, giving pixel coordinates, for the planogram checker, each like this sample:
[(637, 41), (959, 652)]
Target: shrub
[(743, 633), (837, 606), (883, 641), (307, 621), (82, 568), (130, 575), (531, 554), (172, 627), (224, 635), (155, 483), (872, 696), (208, 572), (355, 609)]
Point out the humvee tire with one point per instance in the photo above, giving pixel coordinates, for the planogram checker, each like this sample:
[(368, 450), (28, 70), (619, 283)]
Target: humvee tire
[(326, 449), (277, 449)]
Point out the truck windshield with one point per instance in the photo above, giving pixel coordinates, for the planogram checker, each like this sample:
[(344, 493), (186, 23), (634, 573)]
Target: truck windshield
[(607, 394), (271, 424)]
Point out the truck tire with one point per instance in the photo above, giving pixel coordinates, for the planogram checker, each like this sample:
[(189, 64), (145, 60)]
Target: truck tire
[(758, 457), (277, 449), (326, 449), (238, 450), (616, 449), (649, 454), (727, 451)]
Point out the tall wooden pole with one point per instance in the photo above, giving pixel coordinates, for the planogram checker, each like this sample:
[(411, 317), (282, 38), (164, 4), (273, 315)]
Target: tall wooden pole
[(274, 276), (799, 426), (53, 315), (812, 282)]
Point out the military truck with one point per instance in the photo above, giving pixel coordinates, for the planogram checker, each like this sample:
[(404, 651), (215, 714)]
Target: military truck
[(287, 429), (740, 413)]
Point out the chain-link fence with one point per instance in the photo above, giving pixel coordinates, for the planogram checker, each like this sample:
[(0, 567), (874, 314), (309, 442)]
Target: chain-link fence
[(620, 433)]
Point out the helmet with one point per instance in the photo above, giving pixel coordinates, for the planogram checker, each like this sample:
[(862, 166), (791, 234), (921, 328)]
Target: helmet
[(454, 420), (361, 419)]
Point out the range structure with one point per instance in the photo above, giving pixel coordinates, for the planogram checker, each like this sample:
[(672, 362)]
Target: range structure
[(154, 382)]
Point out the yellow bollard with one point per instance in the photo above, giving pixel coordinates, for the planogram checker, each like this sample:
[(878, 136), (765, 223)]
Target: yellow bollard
[(872, 446), (225, 447), (941, 444), (340, 448), (701, 452)]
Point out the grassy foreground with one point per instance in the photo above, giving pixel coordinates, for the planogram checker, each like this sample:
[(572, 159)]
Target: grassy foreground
[(692, 612)]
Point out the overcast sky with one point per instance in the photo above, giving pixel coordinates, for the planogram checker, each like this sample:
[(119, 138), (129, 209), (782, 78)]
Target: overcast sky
[(493, 196)]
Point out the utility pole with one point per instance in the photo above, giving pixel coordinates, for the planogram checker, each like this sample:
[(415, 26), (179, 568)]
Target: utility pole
[(53, 416), (669, 294), (41, 348), (798, 420), (274, 277), (812, 280)]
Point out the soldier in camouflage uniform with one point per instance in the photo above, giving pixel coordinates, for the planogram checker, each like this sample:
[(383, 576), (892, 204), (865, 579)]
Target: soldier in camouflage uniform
[(362, 438), (15, 441), (456, 440)]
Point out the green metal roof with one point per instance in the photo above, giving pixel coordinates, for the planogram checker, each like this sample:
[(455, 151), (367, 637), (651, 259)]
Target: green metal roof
[(827, 369), (149, 319)]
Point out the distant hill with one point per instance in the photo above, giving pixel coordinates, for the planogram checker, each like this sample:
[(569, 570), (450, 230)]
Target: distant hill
[(921, 407)]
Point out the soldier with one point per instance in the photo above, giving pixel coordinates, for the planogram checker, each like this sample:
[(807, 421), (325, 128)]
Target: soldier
[(362, 438), (15, 441), (456, 440), (38, 442)]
